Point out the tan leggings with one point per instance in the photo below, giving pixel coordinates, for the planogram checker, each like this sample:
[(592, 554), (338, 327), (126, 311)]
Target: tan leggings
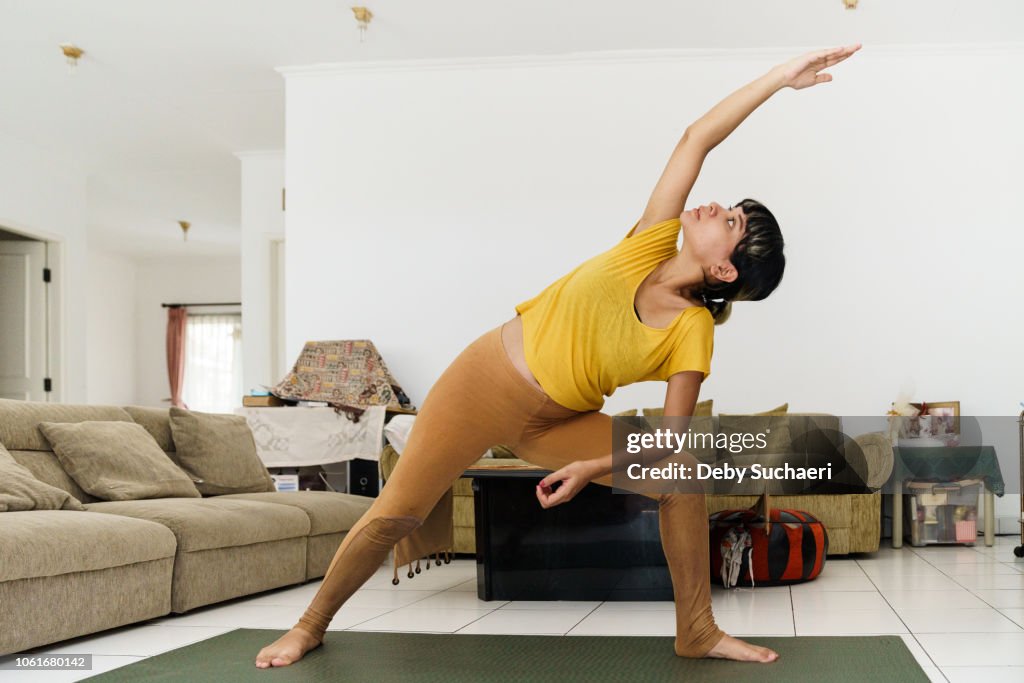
[(479, 401)]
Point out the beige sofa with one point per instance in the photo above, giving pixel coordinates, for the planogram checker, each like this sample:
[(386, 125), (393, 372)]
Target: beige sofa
[(69, 573), (853, 520)]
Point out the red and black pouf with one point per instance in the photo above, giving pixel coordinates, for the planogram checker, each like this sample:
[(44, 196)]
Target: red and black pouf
[(793, 552)]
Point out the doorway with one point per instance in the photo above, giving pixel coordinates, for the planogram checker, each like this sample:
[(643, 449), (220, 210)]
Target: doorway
[(25, 318)]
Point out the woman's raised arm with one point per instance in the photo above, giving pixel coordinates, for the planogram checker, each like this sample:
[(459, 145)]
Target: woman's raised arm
[(669, 196)]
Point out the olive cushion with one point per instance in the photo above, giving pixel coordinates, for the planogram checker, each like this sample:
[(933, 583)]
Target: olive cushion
[(116, 460), (20, 490), (219, 452)]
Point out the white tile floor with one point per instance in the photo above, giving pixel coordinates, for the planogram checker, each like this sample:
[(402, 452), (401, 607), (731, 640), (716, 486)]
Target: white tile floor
[(960, 611)]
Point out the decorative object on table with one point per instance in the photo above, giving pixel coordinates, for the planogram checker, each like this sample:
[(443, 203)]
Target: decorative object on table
[(922, 425), (943, 421), (348, 374), (899, 414), (782, 548)]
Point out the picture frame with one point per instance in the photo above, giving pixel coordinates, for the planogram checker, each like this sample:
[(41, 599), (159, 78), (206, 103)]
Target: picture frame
[(944, 417)]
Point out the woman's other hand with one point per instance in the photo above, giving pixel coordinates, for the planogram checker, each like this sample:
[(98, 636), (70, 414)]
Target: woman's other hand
[(803, 71), (573, 476)]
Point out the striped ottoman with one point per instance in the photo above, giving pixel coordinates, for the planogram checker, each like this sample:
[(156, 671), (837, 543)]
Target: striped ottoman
[(742, 554)]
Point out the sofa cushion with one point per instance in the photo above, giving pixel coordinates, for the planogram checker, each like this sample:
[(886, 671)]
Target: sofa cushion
[(328, 512), (219, 451), (700, 409), (45, 467), (62, 542), (19, 421), (19, 490), (772, 423), (19, 432), (157, 421), (206, 523), (116, 461)]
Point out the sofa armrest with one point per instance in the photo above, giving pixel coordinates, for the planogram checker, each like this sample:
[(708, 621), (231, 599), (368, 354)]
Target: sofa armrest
[(878, 455)]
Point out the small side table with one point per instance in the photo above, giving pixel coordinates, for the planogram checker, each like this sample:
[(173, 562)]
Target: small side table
[(946, 464), (602, 546)]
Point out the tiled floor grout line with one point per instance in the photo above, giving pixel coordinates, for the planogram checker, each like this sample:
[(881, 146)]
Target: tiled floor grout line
[(792, 611), (584, 617), (928, 561), (906, 626), (482, 615)]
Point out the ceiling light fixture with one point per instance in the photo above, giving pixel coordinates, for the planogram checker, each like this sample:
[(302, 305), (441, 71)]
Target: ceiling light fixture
[(185, 225), (72, 53), (850, 4), (363, 17)]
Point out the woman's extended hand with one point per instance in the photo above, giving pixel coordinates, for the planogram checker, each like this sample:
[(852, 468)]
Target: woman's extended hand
[(803, 71), (573, 476)]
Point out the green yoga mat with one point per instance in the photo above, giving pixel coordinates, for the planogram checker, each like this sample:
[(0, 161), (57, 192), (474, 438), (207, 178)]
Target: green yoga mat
[(449, 658)]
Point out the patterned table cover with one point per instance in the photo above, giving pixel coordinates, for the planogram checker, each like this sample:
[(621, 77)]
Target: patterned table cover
[(299, 437), (945, 463)]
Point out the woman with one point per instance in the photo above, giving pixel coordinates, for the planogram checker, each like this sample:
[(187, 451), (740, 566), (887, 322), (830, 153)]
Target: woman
[(643, 310)]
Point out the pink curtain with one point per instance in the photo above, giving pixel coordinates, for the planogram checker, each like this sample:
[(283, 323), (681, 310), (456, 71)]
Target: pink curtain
[(176, 318)]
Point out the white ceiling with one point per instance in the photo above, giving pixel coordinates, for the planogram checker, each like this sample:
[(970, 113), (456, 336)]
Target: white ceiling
[(168, 93)]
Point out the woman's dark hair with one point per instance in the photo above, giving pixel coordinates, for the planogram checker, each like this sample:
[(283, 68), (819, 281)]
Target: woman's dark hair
[(758, 258)]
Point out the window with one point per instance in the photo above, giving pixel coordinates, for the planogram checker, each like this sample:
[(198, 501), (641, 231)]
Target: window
[(213, 362)]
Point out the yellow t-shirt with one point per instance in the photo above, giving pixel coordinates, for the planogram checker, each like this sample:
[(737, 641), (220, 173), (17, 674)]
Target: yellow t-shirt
[(583, 339)]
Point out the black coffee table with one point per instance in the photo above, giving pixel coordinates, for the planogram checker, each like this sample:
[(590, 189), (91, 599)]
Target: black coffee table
[(599, 546)]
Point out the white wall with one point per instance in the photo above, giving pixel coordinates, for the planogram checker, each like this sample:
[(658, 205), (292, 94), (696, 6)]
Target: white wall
[(262, 222), (111, 330), (45, 197), (194, 280), (425, 202)]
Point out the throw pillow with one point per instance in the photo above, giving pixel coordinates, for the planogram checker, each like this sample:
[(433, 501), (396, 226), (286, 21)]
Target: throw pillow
[(772, 423), (701, 409), (502, 451), (701, 424), (19, 490), (219, 452), (116, 460)]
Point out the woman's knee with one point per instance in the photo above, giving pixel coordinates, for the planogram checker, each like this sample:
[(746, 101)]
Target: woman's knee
[(386, 530)]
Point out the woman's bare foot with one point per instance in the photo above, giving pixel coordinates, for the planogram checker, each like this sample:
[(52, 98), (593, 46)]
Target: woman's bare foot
[(734, 648), (287, 649)]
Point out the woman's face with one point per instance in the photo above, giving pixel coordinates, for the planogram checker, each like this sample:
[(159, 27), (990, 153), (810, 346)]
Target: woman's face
[(711, 232)]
